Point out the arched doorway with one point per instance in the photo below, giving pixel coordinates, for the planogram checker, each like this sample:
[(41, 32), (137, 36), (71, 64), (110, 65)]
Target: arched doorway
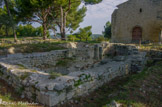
[(136, 34)]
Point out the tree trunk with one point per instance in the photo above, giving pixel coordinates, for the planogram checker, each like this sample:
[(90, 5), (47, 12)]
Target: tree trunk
[(64, 25), (8, 11), (55, 35), (44, 31), (11, 19), (6, 29), (62, 30), (63, 21), (15, 36), (62, 36), (86, 39), (44, 24)]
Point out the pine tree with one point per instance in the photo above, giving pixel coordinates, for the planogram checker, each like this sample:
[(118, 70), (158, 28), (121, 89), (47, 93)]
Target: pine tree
[(85, 33), (67, 15), (35, 11), (107, 31), (10, 18)]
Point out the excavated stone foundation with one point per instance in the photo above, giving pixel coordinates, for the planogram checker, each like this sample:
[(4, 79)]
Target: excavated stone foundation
[(55, 77)]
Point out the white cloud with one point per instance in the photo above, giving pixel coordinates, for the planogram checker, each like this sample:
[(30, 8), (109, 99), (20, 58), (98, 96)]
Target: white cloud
[(99, 14)]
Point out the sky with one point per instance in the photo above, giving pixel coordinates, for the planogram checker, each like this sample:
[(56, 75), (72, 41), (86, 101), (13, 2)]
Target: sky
[(97, 15)]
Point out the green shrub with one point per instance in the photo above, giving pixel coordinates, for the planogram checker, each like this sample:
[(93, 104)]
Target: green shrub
[(54, 75), (30, 31), (20, 90), (64, 62), (100, 39), (21, 66), (72, 38), (1, 73), (25, 75)]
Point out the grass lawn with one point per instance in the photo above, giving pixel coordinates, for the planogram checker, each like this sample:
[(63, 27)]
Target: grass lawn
[(29, 48), (151, 47), (34, 44)]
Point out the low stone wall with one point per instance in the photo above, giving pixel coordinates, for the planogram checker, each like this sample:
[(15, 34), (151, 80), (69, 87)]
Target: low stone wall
[(107, 62), (53, 91), (155, 55), (47, 61), (80, 83), (37, 61)]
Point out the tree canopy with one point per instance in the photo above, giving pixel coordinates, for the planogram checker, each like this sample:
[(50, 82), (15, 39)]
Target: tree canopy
[(8, 17), (107, 30), (35, 11), (92, 1), (85, 33), (67, 15), (51, 14), (29, 31)]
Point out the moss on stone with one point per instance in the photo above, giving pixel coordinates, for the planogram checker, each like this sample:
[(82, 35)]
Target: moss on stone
[(64, 61), (20, 90), (1, 73), (54, 75), (77, 83), (25, 75), (21, 66), (85, 77), (34, 70)]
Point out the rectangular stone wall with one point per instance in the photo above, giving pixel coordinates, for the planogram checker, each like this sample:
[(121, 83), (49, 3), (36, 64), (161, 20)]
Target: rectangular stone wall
[(40, 87)]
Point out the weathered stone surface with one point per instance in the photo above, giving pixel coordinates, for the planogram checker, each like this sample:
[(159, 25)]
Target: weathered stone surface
[(114, 104), (86, 78), (144, 14)]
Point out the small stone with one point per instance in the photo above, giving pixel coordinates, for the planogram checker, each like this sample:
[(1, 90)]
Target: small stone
[(72, 101), (119, 58), (77, 66), (113, 102), (0, 100), (23, 96), (87, 46), (59, 87), (12, 70), (80, 87), (50, 87), (140, 89), (62, 103), (130, 106), (103, 62), (76, 102), (144, 91), (11, 50), (108, 105)]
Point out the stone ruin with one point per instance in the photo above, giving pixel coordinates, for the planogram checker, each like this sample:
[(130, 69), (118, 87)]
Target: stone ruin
[(55, 77)]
